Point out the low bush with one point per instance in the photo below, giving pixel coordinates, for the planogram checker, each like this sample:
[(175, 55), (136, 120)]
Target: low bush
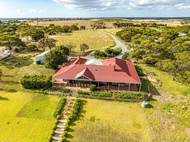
[(60, 107), (102, 93), (92, 87), (36, 82), (75, 111), (108, 52), (80, 92), (131, 95), (124, 95), (59, 89)]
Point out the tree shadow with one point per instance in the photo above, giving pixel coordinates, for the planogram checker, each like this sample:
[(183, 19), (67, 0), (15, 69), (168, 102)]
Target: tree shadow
[(12, 90), (70, 130), (150, 106), (148, 87), (3, 98), (72, 124), (7, 75), (69, 136), (82, 110), (10, 82)]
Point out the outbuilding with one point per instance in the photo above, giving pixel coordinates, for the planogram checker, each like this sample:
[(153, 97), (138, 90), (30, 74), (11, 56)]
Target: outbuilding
[(39, 58)]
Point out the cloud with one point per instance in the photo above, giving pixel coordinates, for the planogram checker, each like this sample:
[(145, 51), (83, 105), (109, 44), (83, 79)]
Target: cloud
[(182, 6), (90, 4), (19, 10), (125, 4), (158, 4), (37, 11)]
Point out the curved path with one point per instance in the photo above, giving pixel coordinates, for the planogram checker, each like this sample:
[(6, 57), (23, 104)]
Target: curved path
[(118, 44)]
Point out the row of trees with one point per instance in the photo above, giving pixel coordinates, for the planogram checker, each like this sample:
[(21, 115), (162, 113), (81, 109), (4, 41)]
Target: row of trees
[(131, 24), (164, 49)]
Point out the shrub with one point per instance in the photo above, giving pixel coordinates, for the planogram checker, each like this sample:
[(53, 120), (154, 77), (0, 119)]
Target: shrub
[(102, 93), (60, 107), (80, 92), (75, 112), (36, 82), (92, 87), (59, 89), (130, 95)]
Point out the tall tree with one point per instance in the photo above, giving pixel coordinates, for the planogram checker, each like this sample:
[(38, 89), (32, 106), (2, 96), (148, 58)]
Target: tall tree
[(46, 42), (84, 47), (56, 57), (70, 46)]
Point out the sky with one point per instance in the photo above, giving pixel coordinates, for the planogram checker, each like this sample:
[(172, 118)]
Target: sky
[(93, 8)]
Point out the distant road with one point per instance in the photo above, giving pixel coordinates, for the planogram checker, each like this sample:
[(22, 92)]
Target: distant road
[(118, 44)]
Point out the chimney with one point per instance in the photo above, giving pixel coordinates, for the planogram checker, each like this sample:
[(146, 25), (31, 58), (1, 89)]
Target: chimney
[(114, 68)]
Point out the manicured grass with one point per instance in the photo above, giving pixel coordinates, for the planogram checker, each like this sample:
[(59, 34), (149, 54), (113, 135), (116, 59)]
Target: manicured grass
[(174, 88), (110, 121), (94, 39), (21, 122)]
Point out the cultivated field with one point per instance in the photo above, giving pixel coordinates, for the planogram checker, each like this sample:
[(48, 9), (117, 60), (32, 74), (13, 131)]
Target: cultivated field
[(86, 23), (109, 121), (94, 39), (26, 117), (108, 22)]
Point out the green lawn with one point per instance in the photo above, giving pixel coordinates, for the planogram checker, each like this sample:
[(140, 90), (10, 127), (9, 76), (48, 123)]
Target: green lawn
[(110, 121), (94, 39), (26, 117)]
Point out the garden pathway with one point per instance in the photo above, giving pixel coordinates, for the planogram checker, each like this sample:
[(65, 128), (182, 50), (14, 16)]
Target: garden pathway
[(58, 132)]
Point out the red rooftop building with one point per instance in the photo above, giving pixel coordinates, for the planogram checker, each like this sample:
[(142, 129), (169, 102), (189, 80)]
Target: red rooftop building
[(113, 74)]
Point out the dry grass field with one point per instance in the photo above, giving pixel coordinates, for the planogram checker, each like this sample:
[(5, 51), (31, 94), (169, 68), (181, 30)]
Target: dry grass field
[(79, 23), (110, 121), (109, 23), (96, 39), (170, 22)]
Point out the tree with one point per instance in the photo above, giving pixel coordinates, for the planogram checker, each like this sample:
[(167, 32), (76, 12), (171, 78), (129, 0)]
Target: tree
[(11, 41), (84, 47), (56, 57), (70, 46), (82, 27), (37, 35), (74, 27), (46, 42), (125, 56)]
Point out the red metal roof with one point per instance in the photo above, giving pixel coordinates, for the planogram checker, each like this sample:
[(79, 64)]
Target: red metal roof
[(112, 70)]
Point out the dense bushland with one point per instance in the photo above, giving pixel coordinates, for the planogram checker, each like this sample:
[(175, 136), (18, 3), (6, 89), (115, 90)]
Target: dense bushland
[(165, 49)]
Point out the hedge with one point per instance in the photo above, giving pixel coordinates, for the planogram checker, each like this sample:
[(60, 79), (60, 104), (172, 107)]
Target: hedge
[(114, 95), (60, 106), (73, 116), (59, 89), (36, 82)]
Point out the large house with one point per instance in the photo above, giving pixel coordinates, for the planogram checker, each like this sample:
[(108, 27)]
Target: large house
[(111, 73)]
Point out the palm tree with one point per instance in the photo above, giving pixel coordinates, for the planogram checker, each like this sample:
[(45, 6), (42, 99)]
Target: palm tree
[(46, 42)]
